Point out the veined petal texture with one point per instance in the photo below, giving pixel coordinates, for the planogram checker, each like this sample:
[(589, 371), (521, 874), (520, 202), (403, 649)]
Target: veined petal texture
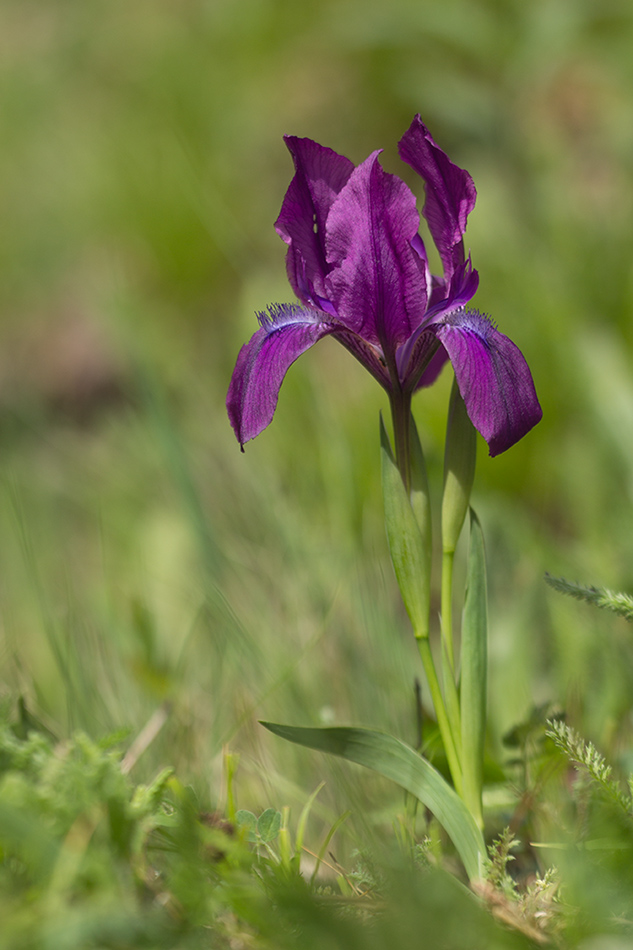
[(377, 282), (493, 378), (287, 331), (356, 261), (450, 193), (320, 173)]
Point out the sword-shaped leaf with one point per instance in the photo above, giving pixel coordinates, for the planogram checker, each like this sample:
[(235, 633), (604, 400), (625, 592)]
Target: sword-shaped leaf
[(399, 762)]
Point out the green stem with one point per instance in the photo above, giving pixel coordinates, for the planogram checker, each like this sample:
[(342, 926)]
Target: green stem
[(444, 725), (447, 607), (452, 703), (448, 653)]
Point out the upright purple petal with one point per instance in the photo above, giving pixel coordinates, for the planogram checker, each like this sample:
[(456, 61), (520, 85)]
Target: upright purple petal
[(320, 174), (463, 286), (377, 283), (450, 193), (412, 354), (286, 332), (493, 378)]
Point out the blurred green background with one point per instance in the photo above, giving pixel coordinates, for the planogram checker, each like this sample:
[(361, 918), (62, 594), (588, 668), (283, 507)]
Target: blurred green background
[(142, 557)]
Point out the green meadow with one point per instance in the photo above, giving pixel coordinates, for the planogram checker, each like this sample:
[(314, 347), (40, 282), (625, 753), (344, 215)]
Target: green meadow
[(161, 592)]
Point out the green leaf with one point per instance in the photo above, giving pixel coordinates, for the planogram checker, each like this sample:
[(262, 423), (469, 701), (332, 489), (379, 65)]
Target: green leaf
[(268, 824), (420, 495), (246, 819), (396, 761), (474, 660), (459, 469), (410, 554)]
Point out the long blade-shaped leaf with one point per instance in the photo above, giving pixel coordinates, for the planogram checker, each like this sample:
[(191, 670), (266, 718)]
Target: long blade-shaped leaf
[(420, 497), (402, 764), (410, 552), (474, 670)]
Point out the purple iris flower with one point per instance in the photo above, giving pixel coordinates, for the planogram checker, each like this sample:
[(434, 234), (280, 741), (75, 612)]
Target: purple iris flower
[(359, 268)]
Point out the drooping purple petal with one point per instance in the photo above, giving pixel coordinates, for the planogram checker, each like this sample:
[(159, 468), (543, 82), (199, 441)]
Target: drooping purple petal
[(450, 193), (286, 332), (493, 378), (320, 173), (377, 282)]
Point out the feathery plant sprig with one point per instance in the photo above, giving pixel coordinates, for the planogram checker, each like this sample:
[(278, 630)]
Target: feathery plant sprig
[(499, 856), (585, 757), (618, 603)]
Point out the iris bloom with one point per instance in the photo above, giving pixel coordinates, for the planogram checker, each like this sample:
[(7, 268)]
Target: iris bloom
[(359, 268)]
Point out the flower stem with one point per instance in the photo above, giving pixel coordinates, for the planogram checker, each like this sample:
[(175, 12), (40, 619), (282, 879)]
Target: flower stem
[(444, 725), (447, 607), (448, 653)]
